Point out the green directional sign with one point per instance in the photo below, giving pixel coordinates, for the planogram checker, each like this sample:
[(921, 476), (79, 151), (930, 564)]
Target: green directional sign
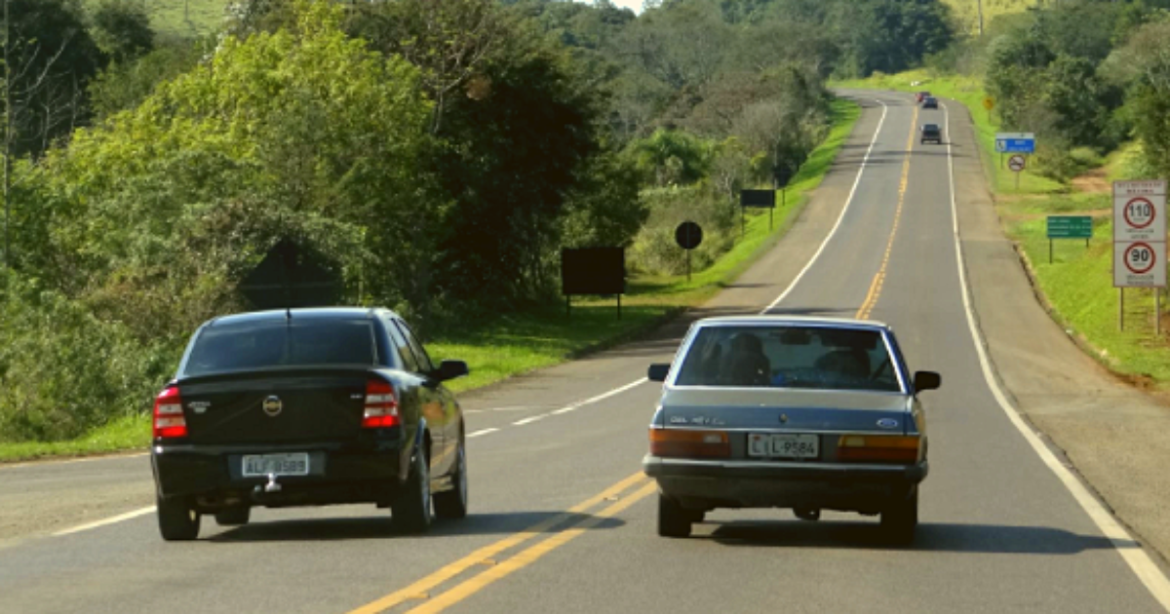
[(1070, 227)]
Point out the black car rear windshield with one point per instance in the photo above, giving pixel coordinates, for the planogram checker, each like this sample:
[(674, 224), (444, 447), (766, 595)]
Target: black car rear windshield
[(278, 343), (789, 357)]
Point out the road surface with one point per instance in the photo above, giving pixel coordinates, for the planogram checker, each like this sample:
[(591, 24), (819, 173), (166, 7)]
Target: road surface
[(563, 521)]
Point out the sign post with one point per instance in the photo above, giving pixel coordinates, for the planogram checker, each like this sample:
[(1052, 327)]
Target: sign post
[(1139, 241), (689, 235), (1068, 227), (1014, 142), (1017, 163), (989, 104), (593, 270), (756, 198)]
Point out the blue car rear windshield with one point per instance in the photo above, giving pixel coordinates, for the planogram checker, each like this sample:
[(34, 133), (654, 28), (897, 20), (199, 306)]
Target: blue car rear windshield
[(277, 343), (789, 357)]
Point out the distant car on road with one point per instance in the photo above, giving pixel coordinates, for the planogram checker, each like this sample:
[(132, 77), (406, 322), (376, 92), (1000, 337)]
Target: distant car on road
[(920, 96), (307, 407), (931, 133), (801, 413), (930, 102)]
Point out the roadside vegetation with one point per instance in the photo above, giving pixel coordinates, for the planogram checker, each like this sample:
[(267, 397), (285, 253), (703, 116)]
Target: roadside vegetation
[(1091, 80), (436, 157)]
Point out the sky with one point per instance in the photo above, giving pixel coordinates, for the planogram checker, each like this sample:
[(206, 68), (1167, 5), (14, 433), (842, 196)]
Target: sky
[(635, 5)]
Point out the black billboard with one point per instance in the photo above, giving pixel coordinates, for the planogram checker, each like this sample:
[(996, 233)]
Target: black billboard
[(593, 270)]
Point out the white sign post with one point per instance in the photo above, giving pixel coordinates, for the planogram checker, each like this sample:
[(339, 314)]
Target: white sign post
[(1017, 163), (1139, 241)]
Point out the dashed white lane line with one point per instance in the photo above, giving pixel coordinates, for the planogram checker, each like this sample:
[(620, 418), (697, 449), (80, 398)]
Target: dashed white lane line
[(529, 420), (1138, 561), (101, 523), (481, 432), (848, 202)]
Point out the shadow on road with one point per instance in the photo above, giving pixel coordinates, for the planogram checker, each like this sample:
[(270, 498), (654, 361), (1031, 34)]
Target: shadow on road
[(932, 537), (380, 527)]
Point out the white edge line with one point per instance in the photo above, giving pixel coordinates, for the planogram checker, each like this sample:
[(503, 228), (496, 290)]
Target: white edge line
[(482, 432), (1138, 560), (68, 461), (101, 523), (529, 420), (848, 202)]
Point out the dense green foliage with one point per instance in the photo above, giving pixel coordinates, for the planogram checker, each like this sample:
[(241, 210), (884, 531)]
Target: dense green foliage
[(1072, 73), (439, 154)]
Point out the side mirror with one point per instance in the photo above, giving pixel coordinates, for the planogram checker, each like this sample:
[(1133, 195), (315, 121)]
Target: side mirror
[(927, 380), (451, 369), (658, 372)]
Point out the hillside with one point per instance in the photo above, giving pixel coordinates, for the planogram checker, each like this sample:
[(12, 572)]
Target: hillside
[(967, 11), (184, 18)]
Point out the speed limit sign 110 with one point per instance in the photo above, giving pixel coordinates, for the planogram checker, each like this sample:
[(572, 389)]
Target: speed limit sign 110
[(1139, 211), (1139, 264)]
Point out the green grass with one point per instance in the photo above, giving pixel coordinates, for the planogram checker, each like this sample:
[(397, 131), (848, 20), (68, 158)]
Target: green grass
[(1078, 285), (518, 343), (966, 12), (181, 18), (126, 433)]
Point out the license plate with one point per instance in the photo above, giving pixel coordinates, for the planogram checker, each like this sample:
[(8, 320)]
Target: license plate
[(276, 464), (771, 445)]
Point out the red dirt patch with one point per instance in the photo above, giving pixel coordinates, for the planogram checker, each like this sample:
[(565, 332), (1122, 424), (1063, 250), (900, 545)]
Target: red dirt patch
[(1095, 181)]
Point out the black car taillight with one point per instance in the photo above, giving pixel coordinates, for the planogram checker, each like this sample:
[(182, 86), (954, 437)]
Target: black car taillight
[(381, 406)]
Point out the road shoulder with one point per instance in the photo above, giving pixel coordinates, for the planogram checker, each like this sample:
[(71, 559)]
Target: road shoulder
[(1109, 432)]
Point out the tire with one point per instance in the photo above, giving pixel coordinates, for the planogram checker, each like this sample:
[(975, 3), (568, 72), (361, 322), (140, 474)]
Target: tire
[(900, 520), (177, 521), (673, 520), (411, 508), (233, 517), (452, 505)]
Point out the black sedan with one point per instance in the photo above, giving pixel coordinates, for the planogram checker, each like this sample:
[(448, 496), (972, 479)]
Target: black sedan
[(308, 407)]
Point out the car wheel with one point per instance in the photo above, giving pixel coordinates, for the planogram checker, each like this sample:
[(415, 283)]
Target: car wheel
[(411, 509), (453, 503), (673, 520), (233, 517), (900, 520), (177, 520)]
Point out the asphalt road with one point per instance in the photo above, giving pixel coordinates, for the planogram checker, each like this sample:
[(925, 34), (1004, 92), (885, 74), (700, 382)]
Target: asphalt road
[(564, 522)]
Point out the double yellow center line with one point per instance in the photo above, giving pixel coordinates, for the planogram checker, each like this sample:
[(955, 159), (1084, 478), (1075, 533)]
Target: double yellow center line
[(491, 570), (879, 279)]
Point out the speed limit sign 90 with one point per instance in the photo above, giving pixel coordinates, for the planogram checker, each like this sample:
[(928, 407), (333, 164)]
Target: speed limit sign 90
[(1139, 264)]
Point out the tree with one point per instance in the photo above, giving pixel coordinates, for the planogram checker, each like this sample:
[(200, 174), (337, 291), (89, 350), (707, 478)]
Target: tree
[(48, 59), (301, 134), (121, 29)]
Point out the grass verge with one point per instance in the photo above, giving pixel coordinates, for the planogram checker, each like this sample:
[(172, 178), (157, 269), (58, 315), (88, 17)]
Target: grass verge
[(1077, 286), (518, 343)]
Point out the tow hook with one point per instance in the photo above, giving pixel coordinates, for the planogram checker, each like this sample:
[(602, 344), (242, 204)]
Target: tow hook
[(811, 515), (272, 486)]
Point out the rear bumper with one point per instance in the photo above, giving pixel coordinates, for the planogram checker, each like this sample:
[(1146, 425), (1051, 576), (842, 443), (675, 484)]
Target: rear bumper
[(709, 484), (211, 476)]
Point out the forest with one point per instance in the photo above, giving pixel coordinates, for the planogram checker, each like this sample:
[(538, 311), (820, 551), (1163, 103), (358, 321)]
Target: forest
[(438, 155)]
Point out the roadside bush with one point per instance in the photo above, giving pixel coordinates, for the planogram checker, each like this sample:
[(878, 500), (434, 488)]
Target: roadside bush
[(655, 250), (1063, 164), (63, 371)]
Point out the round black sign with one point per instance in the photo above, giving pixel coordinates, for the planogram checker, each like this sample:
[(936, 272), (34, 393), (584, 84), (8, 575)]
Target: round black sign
[(688, 235)]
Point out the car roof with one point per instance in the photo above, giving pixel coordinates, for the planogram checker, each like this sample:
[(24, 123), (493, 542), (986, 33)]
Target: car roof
[(781, 320), (314, 313), (930, 125)]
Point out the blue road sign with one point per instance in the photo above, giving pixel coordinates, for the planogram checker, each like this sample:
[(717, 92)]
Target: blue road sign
[(1015, 142)]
